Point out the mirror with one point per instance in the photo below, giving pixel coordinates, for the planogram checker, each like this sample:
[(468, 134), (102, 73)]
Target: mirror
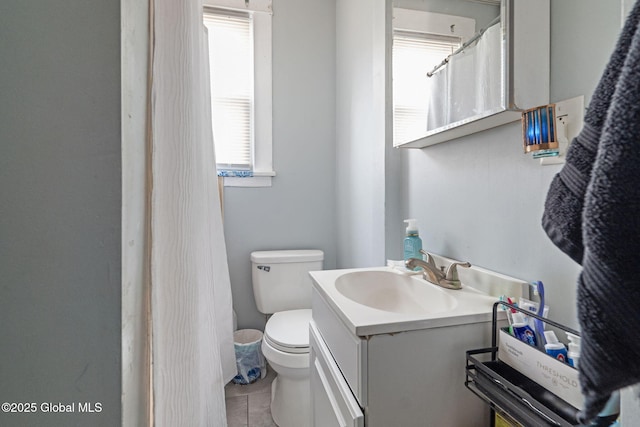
[(454, 66)]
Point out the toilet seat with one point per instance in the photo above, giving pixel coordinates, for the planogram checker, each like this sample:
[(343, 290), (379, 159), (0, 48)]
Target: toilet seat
[(288, 331)]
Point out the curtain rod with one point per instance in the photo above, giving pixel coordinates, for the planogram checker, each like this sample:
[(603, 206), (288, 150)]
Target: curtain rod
[(475, 37)]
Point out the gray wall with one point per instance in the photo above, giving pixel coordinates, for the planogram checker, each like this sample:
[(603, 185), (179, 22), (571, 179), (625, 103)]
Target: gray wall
[(297, 212), (60, 175), (478, 198)]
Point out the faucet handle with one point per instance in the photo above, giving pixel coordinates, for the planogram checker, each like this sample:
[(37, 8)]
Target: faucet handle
[(428, 258), (452, 271)]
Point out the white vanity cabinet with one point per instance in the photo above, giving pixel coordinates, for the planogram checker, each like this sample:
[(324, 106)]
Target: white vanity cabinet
[(413, 378), (333, 404)]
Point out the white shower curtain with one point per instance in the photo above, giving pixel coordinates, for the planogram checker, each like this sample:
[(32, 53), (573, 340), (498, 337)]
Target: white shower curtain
[(463, 80), (191, 315), (489, 95), (470, 84), (437, 102)]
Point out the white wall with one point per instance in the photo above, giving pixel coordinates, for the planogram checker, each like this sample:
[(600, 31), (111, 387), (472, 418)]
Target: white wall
[(480, 199), (630, 397), (482, 13), (630, 406), (340, 188), (135, 363), (297, 212), (361, 90), (60, 224)]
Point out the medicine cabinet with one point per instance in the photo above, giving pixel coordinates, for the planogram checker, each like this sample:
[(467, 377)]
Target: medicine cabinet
[(501, 71)]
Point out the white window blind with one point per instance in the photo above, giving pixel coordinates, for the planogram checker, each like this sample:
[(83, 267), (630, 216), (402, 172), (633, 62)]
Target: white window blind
[(414, 54), (232, 87)]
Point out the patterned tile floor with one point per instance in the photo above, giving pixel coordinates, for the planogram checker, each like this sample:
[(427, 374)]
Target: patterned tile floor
[(249, 405)]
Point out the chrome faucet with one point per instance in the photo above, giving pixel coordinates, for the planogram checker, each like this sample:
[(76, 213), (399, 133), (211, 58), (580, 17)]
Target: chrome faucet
[(432, 274)]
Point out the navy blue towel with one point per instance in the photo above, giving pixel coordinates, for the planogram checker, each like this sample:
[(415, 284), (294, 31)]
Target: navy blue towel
[(592, 213)]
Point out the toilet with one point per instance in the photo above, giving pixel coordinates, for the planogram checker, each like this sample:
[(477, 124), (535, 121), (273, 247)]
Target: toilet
[(282, 288)]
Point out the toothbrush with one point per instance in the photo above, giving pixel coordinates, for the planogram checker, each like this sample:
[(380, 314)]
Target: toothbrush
[(509, 315), (538, 323)]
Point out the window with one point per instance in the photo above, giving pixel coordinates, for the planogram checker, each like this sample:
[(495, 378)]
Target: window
[(421, 40), (240, 70), (231, 71), (414, 54)]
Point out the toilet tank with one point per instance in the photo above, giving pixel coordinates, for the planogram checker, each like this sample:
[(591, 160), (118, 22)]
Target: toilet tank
[(281, 278)]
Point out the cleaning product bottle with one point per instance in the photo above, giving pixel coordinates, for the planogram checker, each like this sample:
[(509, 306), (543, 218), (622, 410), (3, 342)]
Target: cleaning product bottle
[(522, 330), (554, 348), (413, 242), (573, 355)]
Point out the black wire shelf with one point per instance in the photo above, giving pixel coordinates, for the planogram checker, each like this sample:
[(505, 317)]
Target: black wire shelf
[(508, 391)]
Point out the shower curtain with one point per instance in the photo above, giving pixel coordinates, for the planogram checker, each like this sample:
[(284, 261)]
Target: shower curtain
[(191, 314), (470, 84)]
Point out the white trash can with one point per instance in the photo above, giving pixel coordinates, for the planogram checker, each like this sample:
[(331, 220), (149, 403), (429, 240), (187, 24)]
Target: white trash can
[(250, 362)]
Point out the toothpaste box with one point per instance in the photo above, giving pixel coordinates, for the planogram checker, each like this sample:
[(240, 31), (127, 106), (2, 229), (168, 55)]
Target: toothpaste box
[(555, 376)]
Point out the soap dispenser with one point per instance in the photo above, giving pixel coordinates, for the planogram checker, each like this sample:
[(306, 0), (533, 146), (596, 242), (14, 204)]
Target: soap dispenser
[(412, 241)]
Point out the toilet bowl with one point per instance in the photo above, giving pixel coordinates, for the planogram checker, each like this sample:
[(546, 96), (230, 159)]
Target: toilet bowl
[(285, 345), (282, 287)]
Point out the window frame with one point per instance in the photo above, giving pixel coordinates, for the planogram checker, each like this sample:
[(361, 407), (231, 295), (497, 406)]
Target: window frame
[(261, 12)]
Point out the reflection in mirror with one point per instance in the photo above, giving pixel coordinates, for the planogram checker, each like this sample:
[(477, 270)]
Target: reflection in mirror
[(420, 42), (500, 70), (459, 45), (468, 82)]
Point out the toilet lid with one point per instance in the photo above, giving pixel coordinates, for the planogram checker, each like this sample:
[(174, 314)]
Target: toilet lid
[(288, 331)]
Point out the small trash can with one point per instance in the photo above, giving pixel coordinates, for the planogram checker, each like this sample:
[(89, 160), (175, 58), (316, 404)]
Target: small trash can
[(250, 362)]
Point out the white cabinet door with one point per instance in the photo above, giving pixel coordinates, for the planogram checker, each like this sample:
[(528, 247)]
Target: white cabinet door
[(347, 350), (332, 402)]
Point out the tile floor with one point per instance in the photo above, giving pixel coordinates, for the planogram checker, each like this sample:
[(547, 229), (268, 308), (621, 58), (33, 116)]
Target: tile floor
[(249, 405)]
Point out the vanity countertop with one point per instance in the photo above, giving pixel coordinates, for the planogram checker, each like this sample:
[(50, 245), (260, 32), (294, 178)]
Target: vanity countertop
[(474, 302)]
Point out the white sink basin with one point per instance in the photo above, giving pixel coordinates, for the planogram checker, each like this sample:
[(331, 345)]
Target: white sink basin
[(382, 300), (397, 293)]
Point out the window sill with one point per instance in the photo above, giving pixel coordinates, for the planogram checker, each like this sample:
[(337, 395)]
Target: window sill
[(259, 179)]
